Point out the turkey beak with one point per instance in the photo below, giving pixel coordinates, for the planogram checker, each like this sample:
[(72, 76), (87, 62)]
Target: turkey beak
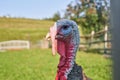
[(48, 36)]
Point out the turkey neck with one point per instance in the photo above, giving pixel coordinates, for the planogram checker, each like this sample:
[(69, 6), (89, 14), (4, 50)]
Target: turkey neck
[(71, 49), (70, 54)]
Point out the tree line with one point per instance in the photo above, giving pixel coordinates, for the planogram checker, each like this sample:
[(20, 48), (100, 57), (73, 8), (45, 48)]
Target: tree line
[(89, 14)]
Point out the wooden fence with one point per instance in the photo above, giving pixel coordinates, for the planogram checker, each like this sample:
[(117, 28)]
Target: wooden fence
[(97, 41), (14, 45)]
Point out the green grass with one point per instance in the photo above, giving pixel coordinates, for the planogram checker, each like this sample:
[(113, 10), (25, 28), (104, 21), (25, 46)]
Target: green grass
[(25, 29), (39, 64)]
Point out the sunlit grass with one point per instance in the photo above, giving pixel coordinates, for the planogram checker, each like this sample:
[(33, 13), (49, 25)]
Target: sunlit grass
[(39, 64), (26, 29)]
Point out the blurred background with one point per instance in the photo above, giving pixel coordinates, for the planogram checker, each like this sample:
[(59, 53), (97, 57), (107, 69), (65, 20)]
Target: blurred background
[(26, 55)]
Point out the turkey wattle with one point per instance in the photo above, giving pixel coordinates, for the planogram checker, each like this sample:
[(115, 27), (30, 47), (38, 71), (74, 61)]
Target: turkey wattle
[(65, 41)]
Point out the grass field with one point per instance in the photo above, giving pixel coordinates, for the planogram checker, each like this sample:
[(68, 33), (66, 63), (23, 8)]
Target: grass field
[(39, 64), (25, 29)]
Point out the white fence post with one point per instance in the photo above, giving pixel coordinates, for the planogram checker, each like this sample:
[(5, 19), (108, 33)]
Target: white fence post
[(91, 38), (105, 39)]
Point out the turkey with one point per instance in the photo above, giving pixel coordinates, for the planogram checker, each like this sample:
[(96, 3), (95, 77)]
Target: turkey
[(65, 40)]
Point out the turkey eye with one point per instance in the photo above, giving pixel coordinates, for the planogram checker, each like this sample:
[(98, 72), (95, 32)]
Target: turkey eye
[(65, 27)]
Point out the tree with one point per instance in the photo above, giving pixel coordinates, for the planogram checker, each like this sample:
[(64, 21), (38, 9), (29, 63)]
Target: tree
[(95, 15), (56, 16)]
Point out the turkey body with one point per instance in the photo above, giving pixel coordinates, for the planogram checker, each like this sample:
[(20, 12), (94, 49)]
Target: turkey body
[(76, 73)]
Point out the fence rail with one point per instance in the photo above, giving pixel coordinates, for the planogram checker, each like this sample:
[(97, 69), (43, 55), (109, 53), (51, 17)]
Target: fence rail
[(94, 39), (14, 45)]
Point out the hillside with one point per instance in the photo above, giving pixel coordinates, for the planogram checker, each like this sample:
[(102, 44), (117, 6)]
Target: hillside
[(24, 29)]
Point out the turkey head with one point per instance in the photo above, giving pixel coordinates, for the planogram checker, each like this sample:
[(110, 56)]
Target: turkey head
[(62, 33)]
